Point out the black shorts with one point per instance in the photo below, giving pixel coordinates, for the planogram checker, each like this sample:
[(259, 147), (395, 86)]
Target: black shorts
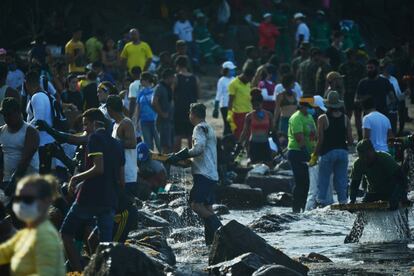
[(203, 190), (260, 152)]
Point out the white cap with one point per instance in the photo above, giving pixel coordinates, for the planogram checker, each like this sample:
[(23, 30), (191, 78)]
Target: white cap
[(298, 15), (321, 12), (267, 15), (229, 65), (318, 101)]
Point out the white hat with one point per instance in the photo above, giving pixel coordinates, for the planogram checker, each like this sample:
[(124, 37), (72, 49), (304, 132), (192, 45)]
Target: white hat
[(267, 15), (229, 65), (298, 15), (318, 101), (321, 12)]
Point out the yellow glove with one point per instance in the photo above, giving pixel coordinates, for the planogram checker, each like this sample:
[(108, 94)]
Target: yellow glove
[(230, 120), (313, 160)]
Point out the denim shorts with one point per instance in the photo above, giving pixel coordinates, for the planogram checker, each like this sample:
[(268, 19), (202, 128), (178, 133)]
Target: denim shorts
[(79, 217), (203, 190)]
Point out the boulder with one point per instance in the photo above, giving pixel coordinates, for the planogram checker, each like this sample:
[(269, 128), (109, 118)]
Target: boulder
[(188, 217), (235, 239), (140, 234), (147, 219), (115, 259), (272, 270), (178, 202), (271, 222), (314, 258), (271, 183), (220, 209), (171, 216), (170, 196), (240, 196), (157, 247), (243, 265), (187, 234), (280, 199)]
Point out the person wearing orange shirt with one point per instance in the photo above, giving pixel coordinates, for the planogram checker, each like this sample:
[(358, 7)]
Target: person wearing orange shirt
[(268, 33)]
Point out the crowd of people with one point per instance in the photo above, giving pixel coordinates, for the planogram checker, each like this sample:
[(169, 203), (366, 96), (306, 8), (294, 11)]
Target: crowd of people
[(93, 117)]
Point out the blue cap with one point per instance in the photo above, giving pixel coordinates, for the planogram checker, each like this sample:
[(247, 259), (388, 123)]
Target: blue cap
[(142, 152)]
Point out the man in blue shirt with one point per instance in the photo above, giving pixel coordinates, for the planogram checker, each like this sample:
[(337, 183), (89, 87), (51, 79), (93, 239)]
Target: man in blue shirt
[(97, 188)]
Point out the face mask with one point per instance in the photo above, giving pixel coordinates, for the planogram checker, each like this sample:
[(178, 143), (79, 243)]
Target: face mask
[(232, 72), (311, 111), (260, 114), (26, 212)]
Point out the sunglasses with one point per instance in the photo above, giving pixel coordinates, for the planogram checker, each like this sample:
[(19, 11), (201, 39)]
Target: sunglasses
[(25, 199)]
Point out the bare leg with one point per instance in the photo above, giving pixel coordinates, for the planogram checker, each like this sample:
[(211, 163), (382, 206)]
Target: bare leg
[(72, 253)]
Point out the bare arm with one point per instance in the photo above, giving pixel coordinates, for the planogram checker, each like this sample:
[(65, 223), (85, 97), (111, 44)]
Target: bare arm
[(390, 134), (230, 106), (96, 170), (131, 108), (321, 129), (155, 104), (31, 144), (126, 134), (245, 131), (277, 111)]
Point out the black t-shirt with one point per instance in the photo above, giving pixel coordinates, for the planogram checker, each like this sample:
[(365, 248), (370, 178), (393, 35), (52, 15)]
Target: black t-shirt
[(73, 97), (378, 88), (335, 57), (90, 96), (103, 190)]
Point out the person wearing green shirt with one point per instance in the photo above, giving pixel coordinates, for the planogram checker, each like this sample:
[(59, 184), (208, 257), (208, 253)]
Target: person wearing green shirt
[(301, 141), (386, 181)]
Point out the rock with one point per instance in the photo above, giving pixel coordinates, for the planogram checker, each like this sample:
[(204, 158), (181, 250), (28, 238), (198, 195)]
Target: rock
[(188, 217), (280, 199), (157, 247), (171, 216), (243, 265), (170, 196), (235, 239), (220, 209), (140, 234), (284, 165), (240, 196), (147, 219), (241, 173), (271, 222), (170, 187), (272, 270), (154, 205), (115, 259), (187, 234), (271, 183), (314, 258), (178, 202)]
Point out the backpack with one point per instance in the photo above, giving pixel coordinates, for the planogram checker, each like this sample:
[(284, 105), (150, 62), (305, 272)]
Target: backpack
[(59, 121)]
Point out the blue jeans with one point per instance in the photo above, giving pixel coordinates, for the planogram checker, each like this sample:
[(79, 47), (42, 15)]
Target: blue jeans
[(150, 135), (336, 162), (79, 216)]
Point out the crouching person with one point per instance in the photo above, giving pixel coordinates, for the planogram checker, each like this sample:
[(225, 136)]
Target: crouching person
[(203, 169)]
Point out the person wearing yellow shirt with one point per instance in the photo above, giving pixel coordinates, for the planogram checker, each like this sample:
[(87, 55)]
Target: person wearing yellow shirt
[(36, 249), (136, 52), (94, 46), (239, 101), (75, 53)]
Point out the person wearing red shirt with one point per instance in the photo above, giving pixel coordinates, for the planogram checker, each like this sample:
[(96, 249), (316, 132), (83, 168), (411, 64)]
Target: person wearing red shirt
[(268, 33)]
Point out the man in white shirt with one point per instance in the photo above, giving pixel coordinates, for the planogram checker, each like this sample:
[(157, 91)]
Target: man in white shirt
[(302, 31), (203, 168), (134, 89), (222, 95), (183, 28), (376, 126), (40, 108)]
